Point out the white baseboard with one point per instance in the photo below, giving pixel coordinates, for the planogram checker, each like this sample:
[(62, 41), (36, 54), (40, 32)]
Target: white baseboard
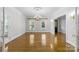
[(12, 38), (70, 43)]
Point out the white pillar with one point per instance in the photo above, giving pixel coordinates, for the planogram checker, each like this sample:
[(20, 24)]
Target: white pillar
[(3, 44), (76, 29)]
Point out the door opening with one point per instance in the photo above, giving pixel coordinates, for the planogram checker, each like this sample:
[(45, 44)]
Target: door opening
[(56, 26)]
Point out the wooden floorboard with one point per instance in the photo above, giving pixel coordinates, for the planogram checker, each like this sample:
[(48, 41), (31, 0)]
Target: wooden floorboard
[(22, 43)]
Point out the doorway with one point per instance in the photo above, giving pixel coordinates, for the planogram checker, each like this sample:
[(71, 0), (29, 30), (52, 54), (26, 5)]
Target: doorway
[(56, 26), (60, 33), (60, 24)]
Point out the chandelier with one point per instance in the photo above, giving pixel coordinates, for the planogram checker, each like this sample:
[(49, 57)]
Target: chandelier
[(37, 17)]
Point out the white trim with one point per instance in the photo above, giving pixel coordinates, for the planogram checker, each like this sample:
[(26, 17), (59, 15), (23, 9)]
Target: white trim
[(13, 38), (70, 43)]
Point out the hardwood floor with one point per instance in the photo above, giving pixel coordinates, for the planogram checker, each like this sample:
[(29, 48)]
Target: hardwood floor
[(53, 43)]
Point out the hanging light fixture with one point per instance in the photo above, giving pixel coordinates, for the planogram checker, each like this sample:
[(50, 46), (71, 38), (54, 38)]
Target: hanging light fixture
[(37, 17)]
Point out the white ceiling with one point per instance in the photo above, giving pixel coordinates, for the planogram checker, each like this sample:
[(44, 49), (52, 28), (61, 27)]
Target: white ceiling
[(44, 11)]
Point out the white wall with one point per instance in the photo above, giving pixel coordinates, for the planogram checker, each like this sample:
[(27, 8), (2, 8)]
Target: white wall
[(62, 24), (70, 24), (16, 23), (52, 26)]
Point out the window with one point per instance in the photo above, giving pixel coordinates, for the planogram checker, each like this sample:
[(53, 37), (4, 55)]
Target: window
[(31, 25), (43, 25)]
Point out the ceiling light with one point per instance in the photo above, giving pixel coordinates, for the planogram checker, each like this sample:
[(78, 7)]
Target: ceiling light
[(37, 8)]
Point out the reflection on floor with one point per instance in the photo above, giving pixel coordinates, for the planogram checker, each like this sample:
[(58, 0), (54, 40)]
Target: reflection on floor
[(53, 43)]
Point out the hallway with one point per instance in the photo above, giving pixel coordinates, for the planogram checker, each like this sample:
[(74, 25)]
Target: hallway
[(38, 29)]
